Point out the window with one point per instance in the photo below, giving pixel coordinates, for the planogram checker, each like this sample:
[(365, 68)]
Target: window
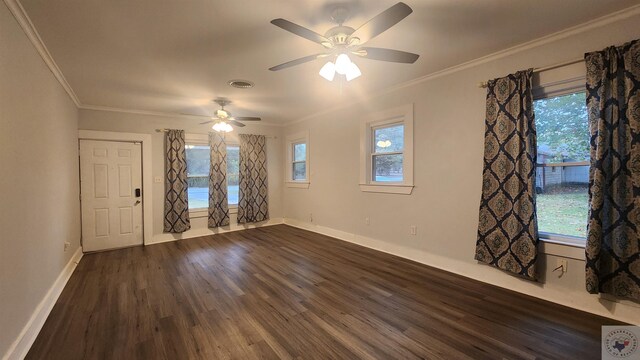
[(198, 176), (299, 163), (297, 172), (233, 173), (387, 151), (198, 161), (562, 171)]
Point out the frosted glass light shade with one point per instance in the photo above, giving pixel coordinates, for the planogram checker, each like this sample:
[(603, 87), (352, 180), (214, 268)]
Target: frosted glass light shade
[(342, 64), (328, 71), (353, 71)]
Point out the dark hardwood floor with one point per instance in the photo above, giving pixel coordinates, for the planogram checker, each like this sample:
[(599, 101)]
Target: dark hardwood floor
[(281, 292)]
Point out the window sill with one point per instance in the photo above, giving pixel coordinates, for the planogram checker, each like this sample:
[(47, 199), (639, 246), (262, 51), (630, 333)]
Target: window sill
[(203, 213), (387, 188), (564, 246), (297, 184)]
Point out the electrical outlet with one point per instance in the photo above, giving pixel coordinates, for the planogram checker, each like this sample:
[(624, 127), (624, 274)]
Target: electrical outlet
[(66, 245), (413, 230), (157, 179), (366, 221)]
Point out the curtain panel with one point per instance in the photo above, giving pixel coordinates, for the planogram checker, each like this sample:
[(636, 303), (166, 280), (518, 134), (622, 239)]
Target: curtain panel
[(508, 229), (253, 203), (613, 231), (218, 201), (176, 203)]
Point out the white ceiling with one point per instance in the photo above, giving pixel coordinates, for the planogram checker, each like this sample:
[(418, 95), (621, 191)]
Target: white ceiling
[(175, 56)]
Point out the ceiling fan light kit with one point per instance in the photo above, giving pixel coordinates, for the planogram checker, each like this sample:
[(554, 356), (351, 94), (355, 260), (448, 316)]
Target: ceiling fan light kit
[(221, 126), (342, 40)]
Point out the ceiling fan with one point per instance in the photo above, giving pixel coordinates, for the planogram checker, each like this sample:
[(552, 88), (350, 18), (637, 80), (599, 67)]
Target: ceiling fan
[(223, 120), (341, 40)]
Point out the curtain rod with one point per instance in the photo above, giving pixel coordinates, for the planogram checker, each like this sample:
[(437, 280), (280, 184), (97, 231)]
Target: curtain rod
[(266, 136), (484, 84)]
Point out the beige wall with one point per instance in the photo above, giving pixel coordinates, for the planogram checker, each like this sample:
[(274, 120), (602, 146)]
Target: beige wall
[(449, 129), (147, 124), (39, 206)]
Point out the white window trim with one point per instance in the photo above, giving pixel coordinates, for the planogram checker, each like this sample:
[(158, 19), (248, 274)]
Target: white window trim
[(402, 114), (202, 139), (297, 138), (558, 82)]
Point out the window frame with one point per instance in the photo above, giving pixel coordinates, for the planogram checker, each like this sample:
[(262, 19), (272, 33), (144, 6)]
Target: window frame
[(402, 115), (292, 140), (203, 140), (551, 90)]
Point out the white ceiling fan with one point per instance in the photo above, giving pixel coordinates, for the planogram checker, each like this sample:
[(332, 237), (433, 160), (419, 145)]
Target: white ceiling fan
[(340, 40), (223, 119)]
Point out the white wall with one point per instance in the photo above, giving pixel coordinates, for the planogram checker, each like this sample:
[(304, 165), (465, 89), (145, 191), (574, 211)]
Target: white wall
[(39, 206), (449, 130), (147, 124)]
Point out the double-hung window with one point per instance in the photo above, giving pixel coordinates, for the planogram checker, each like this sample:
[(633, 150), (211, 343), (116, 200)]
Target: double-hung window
[(198, 164), (197, 175), (297, 170), (386, 151), (562, 169), (299, 163)]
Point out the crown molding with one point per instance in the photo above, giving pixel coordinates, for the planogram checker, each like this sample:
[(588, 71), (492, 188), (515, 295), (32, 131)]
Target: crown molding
[(562, 34), (158, 113), (29, 29)]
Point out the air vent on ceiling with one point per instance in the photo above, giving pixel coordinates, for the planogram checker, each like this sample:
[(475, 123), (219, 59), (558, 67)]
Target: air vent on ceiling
[(241, 84)]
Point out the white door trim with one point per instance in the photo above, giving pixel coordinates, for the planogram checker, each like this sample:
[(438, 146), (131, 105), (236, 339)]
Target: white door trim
[(147, 174)]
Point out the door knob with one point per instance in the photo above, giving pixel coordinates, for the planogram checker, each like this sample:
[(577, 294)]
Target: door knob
[(137, 202)]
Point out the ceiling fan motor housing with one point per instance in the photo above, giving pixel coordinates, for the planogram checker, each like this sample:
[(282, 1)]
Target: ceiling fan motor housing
[(339, 34)]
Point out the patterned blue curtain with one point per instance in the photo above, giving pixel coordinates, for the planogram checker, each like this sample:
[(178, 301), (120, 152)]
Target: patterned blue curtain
[(508, 228), (613, 232), (253, 203), (176, 203), (218, 201)]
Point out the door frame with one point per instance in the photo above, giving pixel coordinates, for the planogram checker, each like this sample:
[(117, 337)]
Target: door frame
[(147, 174)]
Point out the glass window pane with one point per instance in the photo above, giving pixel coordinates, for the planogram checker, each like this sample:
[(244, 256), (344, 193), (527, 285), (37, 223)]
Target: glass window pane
[(562, 191), (563, 199), (198, 176), (299, 171), (299, 152), (562, 127), (388, 168), (233, 174), (388, 139)]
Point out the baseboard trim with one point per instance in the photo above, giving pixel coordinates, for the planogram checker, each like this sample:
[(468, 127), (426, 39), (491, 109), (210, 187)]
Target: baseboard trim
[(22, 344), (602, 305), (162, 238)]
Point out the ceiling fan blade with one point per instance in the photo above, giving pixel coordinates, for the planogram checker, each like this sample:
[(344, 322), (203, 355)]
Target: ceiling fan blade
[(206, 122), (302, 31), (247, 118), (296, 62), (236, 123), (381, 22), (387, 55)]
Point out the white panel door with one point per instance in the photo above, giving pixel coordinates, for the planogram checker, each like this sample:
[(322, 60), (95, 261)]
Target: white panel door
[(111, 194)]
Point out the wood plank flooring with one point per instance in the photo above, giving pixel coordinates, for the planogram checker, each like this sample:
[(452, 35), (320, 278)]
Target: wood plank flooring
[(281, 292)]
